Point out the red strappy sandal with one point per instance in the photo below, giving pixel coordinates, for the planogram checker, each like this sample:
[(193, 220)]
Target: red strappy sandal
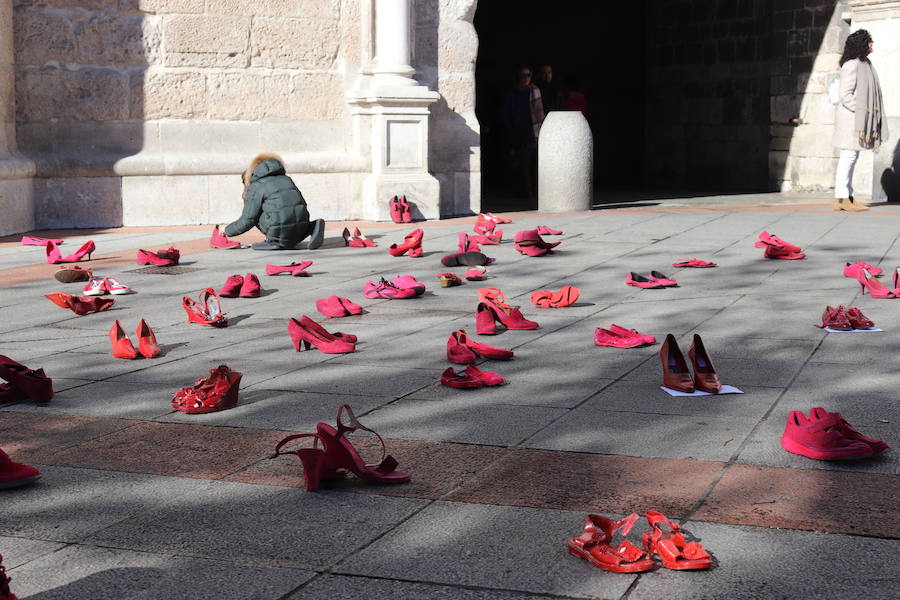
[(673, 549), (314, 460), (206, 312), (595, 545), (342, 455)]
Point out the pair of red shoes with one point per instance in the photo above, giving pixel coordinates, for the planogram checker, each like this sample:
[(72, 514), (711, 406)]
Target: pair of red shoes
[(470, 378), (294, 269), (402, 287), (654, 280), (357, 240), (777, 248), (160, 258), (530, 243), (853, 270), (619, 337), (462, 350), (696, 263), (827, 436), (54, 256), (566, 296), (23, 382), (492, 307), (337, 456), (217, 392), (401, 212), (123, 348), (306, 333), (244, 287), (335, 306), (412, 245), (208, 311), (664, 539), (13, 475), (844, 318), (80, 305), (220, 240)]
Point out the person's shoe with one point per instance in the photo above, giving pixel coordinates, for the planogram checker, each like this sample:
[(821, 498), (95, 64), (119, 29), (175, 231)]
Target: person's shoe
[(250, 287), (267, 245), (13, 475), (852, 205), (232, 287), (317, 236), (821, 439)]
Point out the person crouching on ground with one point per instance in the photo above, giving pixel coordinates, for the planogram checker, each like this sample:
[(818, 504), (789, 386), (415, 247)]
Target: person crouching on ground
[(274, 204)]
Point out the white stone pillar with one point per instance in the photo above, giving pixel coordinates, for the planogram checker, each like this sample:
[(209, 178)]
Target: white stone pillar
[(16, 204), (565, 163), (390, 112)]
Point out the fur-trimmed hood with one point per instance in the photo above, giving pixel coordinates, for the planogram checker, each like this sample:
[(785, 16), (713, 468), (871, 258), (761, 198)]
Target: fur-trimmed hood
[(247, 176)]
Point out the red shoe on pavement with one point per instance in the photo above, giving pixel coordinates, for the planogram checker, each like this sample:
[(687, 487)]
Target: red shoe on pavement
[(854, 269), (13, 475), (821, 439), (232, 287), (847, 430), (250, 288)]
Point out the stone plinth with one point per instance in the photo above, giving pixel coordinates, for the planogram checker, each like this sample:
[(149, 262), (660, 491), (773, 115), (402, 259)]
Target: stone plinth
[(565, 163)]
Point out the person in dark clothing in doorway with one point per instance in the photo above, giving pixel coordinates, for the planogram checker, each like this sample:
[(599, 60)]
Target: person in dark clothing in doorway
[(552, 93), (274, 204), (521, 117)]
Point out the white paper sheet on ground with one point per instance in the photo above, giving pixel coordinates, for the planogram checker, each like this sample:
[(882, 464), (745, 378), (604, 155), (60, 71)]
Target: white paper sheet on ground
[(852, 330), (726, 389)]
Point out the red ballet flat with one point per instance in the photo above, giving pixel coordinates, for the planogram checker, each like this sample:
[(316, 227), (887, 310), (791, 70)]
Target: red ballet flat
[(294, 269)]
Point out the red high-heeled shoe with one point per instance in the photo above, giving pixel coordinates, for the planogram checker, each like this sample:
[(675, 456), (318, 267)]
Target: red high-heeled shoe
[(340, 453), (217, 392), (875, 287), (33, 383), (121, 345), (206, 312), (358, 235), (220, 240), (511, 317), (147, 345), (295, 269), (313, 460), (54, 256), (304, 338), (329, 335), (411, 241)]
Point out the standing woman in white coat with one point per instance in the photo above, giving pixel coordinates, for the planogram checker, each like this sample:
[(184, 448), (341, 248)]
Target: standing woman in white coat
[(858, 123)]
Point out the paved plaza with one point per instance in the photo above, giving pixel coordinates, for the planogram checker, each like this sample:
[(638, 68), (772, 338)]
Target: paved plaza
[(141, 502)]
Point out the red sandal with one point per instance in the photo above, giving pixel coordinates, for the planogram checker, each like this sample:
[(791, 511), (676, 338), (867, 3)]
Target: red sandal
[(314, 460), (217, 392), (673, 549), (595, 545)]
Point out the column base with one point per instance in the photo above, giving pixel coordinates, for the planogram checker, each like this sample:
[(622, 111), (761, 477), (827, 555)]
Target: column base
[(423, 192)]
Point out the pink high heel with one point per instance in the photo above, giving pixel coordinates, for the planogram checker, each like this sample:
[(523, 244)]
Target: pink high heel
[(305, 337), (875, 287), (313, 460), (54, 256)]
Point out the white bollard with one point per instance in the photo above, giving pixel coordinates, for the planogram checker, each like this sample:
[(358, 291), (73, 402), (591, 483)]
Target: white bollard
[(565, 163)]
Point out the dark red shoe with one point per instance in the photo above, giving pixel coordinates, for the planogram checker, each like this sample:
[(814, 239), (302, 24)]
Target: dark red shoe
[(217, 392), (462, 380), (250, 288), (232, 287), (13, 475), (821, 439), (407, 210), (847, 430)]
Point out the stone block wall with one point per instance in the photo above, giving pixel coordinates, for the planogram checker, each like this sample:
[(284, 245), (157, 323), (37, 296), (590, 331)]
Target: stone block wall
[(707, 94)]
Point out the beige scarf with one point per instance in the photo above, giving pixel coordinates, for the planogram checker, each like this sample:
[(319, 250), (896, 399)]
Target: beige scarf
[(870, 127)]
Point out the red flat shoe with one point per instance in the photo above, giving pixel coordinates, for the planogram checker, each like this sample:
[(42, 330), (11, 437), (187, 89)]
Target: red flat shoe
[(30, 240), (350, 306), (476, 274), (313, 460), (695, 263), (331, 307), (329, 335), (208, 311), (660, 278), (163, 258), (461, 380), (854, 269), (770, 239), (640, 281), (411, 241), (544, 230), (484, 350), (232, 287), (670, 545), (616, 329), (847, 430), (220, 240), (294, 269), (54, 256), (396, 210), (595, 545), (780, 253), (836, 318), (858, 320), (121, 345), (340, 453), (33, 383), (448, 280), (217, 392), (387, 290), (566, 296), (821, 439), (484, 320), (487, 378), (250, 288), (405, 282), (607, 337), (84, 305), (407, 210), (13, 475), (458, 351), (70, 275), (147, 345), (305, 338)]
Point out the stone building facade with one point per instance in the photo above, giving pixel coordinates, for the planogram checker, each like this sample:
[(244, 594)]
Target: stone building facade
[(143, 112)]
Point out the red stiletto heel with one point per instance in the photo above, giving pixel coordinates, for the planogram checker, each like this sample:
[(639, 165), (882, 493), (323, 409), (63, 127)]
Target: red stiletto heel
[(147, 345), (313, 459), (673, 549), (595, 545), (304, 338), (511, 317), (54, 256), (875, 287), (342, 455), (121, 345)]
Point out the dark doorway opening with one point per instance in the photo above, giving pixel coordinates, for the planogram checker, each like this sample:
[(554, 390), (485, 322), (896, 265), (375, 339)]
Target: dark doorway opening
[(587, 49)]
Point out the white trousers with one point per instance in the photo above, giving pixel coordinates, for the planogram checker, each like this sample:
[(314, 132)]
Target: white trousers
[(843, 178)]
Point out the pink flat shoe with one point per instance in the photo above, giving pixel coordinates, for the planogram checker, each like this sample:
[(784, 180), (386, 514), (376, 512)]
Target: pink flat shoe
[(405, 282), (250, 287), (232, 287), (477, 273), (695, 263), (633, 279), (350, 307), (387, 290), (28, 240), (294, 269), (660, 278), (462, 380), (647, 339)]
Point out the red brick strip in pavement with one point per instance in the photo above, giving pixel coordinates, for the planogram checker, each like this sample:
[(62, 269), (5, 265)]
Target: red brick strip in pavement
[(807, 499)]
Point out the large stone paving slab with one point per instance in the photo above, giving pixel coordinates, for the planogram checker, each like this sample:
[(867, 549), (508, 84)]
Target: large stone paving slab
[(342, 587)]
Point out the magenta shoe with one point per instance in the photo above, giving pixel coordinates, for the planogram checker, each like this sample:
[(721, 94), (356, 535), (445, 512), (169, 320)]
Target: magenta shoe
[(162, 258), (387, 290), (822, 439), (640, 281), (232, 287), (331, 307), (294, 269), (350, 307), (220, 240), (29, 240), (54, 256), (409, 282), (544, 230), (488, 378), (250, 288)]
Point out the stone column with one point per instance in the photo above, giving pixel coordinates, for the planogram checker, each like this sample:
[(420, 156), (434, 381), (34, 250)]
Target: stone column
[(16, 205), (565, 163), (390, 110)]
